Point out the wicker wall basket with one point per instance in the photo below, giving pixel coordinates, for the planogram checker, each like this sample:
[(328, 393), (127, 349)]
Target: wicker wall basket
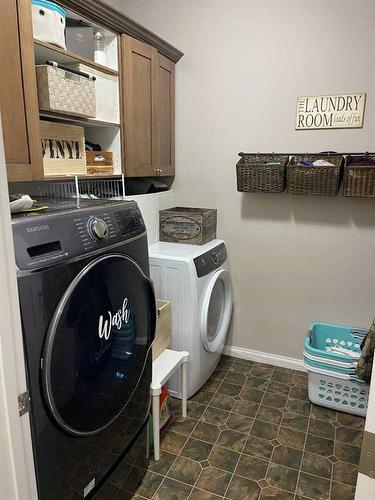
[(263, 173), (359, 176), (314, 180)]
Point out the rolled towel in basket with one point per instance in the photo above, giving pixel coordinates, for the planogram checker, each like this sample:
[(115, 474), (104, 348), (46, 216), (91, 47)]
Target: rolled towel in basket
[(322, 163), (364, 367), (342, 350)]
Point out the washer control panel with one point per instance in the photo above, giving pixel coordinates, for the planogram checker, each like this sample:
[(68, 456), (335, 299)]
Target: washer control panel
[(97, 228), (51, 238), (211, 260)]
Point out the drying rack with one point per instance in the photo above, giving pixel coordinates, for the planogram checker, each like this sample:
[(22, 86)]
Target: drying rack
[(78, 187)]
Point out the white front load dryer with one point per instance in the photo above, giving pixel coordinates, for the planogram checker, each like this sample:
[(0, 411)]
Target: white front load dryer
[(195, 279)]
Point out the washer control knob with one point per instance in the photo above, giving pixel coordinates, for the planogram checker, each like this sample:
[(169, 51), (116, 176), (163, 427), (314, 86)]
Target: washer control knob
[(98, 229), (215, 258)]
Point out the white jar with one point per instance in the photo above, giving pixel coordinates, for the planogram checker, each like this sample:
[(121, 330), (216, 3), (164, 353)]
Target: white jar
[(99, 48)]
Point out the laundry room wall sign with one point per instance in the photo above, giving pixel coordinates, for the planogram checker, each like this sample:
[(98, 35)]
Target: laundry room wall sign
[(330, 111)]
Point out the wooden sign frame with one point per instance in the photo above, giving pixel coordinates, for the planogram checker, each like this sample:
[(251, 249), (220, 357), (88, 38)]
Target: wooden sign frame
[(330, 111)]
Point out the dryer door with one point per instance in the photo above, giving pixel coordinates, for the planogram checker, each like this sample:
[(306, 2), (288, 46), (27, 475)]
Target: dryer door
[(216, 311), (97, 345)]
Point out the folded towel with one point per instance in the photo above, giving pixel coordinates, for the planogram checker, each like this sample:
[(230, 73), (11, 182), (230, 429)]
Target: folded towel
[(322, 163), (316, 163), (305, 163), (342, 350)]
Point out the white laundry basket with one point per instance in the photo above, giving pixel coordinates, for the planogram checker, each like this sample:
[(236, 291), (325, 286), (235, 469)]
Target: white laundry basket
[(332, 380), (337, 391)]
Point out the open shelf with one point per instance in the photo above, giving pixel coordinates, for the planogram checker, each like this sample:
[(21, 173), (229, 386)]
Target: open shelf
[(105, 128), (83, 177), (45, 51), (77, 120)]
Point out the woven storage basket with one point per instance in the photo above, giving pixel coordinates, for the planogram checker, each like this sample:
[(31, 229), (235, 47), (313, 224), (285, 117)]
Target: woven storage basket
[(312, 179), (359, 176), (65, 92), (261, 173)]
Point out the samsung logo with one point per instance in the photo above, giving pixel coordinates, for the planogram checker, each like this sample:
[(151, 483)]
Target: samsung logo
[(34, 229)]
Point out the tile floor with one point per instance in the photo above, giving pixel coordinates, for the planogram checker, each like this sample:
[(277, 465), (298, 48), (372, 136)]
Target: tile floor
[(252, 433)]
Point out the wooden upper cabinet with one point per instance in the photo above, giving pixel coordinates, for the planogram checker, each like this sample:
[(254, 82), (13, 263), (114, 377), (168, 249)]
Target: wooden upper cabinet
[(18, 93), (138, 74), (165, 110), (148, 110), (146, 84)]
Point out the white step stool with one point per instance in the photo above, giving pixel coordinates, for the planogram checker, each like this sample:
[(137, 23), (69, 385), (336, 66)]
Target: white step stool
[(162, 369)]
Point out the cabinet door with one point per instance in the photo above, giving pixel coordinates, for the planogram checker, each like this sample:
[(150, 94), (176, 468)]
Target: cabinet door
[(139, 71), (165, 109), (18, 94)]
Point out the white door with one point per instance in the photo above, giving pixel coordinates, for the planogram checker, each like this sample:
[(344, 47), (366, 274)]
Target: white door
[(216, 311), (17, 475)]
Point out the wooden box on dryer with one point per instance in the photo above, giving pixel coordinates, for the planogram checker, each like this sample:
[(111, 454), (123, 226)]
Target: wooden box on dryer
[(195, 226)]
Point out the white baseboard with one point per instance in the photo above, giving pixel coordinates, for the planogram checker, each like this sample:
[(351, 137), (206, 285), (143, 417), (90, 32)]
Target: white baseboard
[(264, 357)]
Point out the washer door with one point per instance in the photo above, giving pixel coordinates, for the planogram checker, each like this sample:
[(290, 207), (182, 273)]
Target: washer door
[(97, 344), (216, 311)]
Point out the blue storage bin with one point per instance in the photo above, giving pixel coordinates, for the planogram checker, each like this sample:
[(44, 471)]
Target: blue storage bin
[(324, 335)]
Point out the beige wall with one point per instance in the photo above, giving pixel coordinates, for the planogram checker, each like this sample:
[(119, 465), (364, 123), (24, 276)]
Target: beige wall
[(294, 259), (117, 4)]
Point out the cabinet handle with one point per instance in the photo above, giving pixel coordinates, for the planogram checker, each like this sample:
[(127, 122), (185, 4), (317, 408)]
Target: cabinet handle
[(158, 171), (70, 70)]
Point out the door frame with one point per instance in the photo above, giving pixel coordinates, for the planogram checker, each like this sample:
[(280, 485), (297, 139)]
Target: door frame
[(365, 489), (17, 474)]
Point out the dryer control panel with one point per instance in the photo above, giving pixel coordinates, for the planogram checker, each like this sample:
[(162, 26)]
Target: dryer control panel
[(67, 231), (211, 260)]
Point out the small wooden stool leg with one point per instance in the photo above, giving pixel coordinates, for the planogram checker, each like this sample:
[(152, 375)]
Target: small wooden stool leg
[(148, 440), (156, 427), (184, 388)]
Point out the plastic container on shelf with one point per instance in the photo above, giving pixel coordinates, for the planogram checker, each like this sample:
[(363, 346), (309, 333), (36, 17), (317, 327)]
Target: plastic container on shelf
[(49, 22)]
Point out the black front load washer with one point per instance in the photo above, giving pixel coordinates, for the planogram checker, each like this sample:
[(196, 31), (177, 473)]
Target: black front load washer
[(88, 320)]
